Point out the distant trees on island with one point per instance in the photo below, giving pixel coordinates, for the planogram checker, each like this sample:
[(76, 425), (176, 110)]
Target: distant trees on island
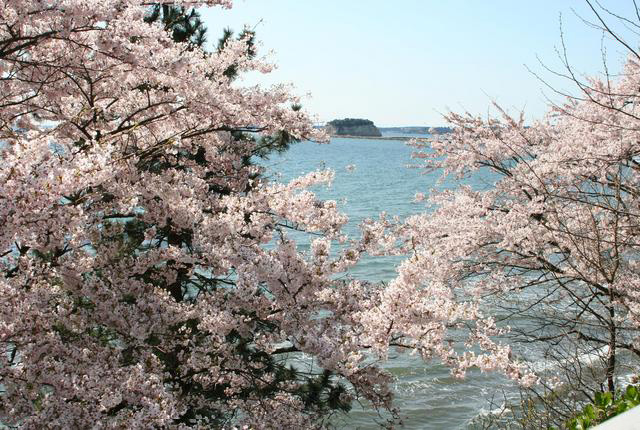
[(352, 127), (350, 122)]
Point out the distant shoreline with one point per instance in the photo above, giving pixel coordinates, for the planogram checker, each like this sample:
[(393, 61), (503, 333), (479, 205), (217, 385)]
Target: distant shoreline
[(400, 138)]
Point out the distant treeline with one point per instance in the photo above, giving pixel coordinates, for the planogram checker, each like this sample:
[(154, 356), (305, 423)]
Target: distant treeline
[(416, 130), (349, 122)]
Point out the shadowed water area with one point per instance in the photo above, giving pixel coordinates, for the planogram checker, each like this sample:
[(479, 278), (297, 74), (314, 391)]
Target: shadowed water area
[(372, 176)]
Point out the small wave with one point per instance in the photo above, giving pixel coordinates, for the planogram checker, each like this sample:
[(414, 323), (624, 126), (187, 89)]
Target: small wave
[(502, 409), (589, 359)]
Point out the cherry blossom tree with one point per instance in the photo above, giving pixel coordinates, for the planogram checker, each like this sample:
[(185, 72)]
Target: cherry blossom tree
[(138, 288), (552, 247), (146, 273)]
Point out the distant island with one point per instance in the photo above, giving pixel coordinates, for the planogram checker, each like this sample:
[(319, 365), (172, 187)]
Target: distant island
[(352, 127)]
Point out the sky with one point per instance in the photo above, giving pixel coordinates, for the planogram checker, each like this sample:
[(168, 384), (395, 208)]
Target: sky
[(407, 62)]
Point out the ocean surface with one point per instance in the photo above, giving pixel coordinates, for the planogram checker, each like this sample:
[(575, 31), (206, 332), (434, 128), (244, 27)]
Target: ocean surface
[(372, 175)]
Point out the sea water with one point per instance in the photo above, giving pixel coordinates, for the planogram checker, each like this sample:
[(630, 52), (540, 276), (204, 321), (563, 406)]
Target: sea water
[(372, 176)]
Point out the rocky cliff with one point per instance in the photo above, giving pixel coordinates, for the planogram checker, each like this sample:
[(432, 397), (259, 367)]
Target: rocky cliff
[(352, 127)]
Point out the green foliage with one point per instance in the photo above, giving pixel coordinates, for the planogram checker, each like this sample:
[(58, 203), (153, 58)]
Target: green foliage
[(606, 405), (249, 36), (184, 24)]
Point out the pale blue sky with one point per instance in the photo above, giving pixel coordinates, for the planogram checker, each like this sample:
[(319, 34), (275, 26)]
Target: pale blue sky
[(405, 62)]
